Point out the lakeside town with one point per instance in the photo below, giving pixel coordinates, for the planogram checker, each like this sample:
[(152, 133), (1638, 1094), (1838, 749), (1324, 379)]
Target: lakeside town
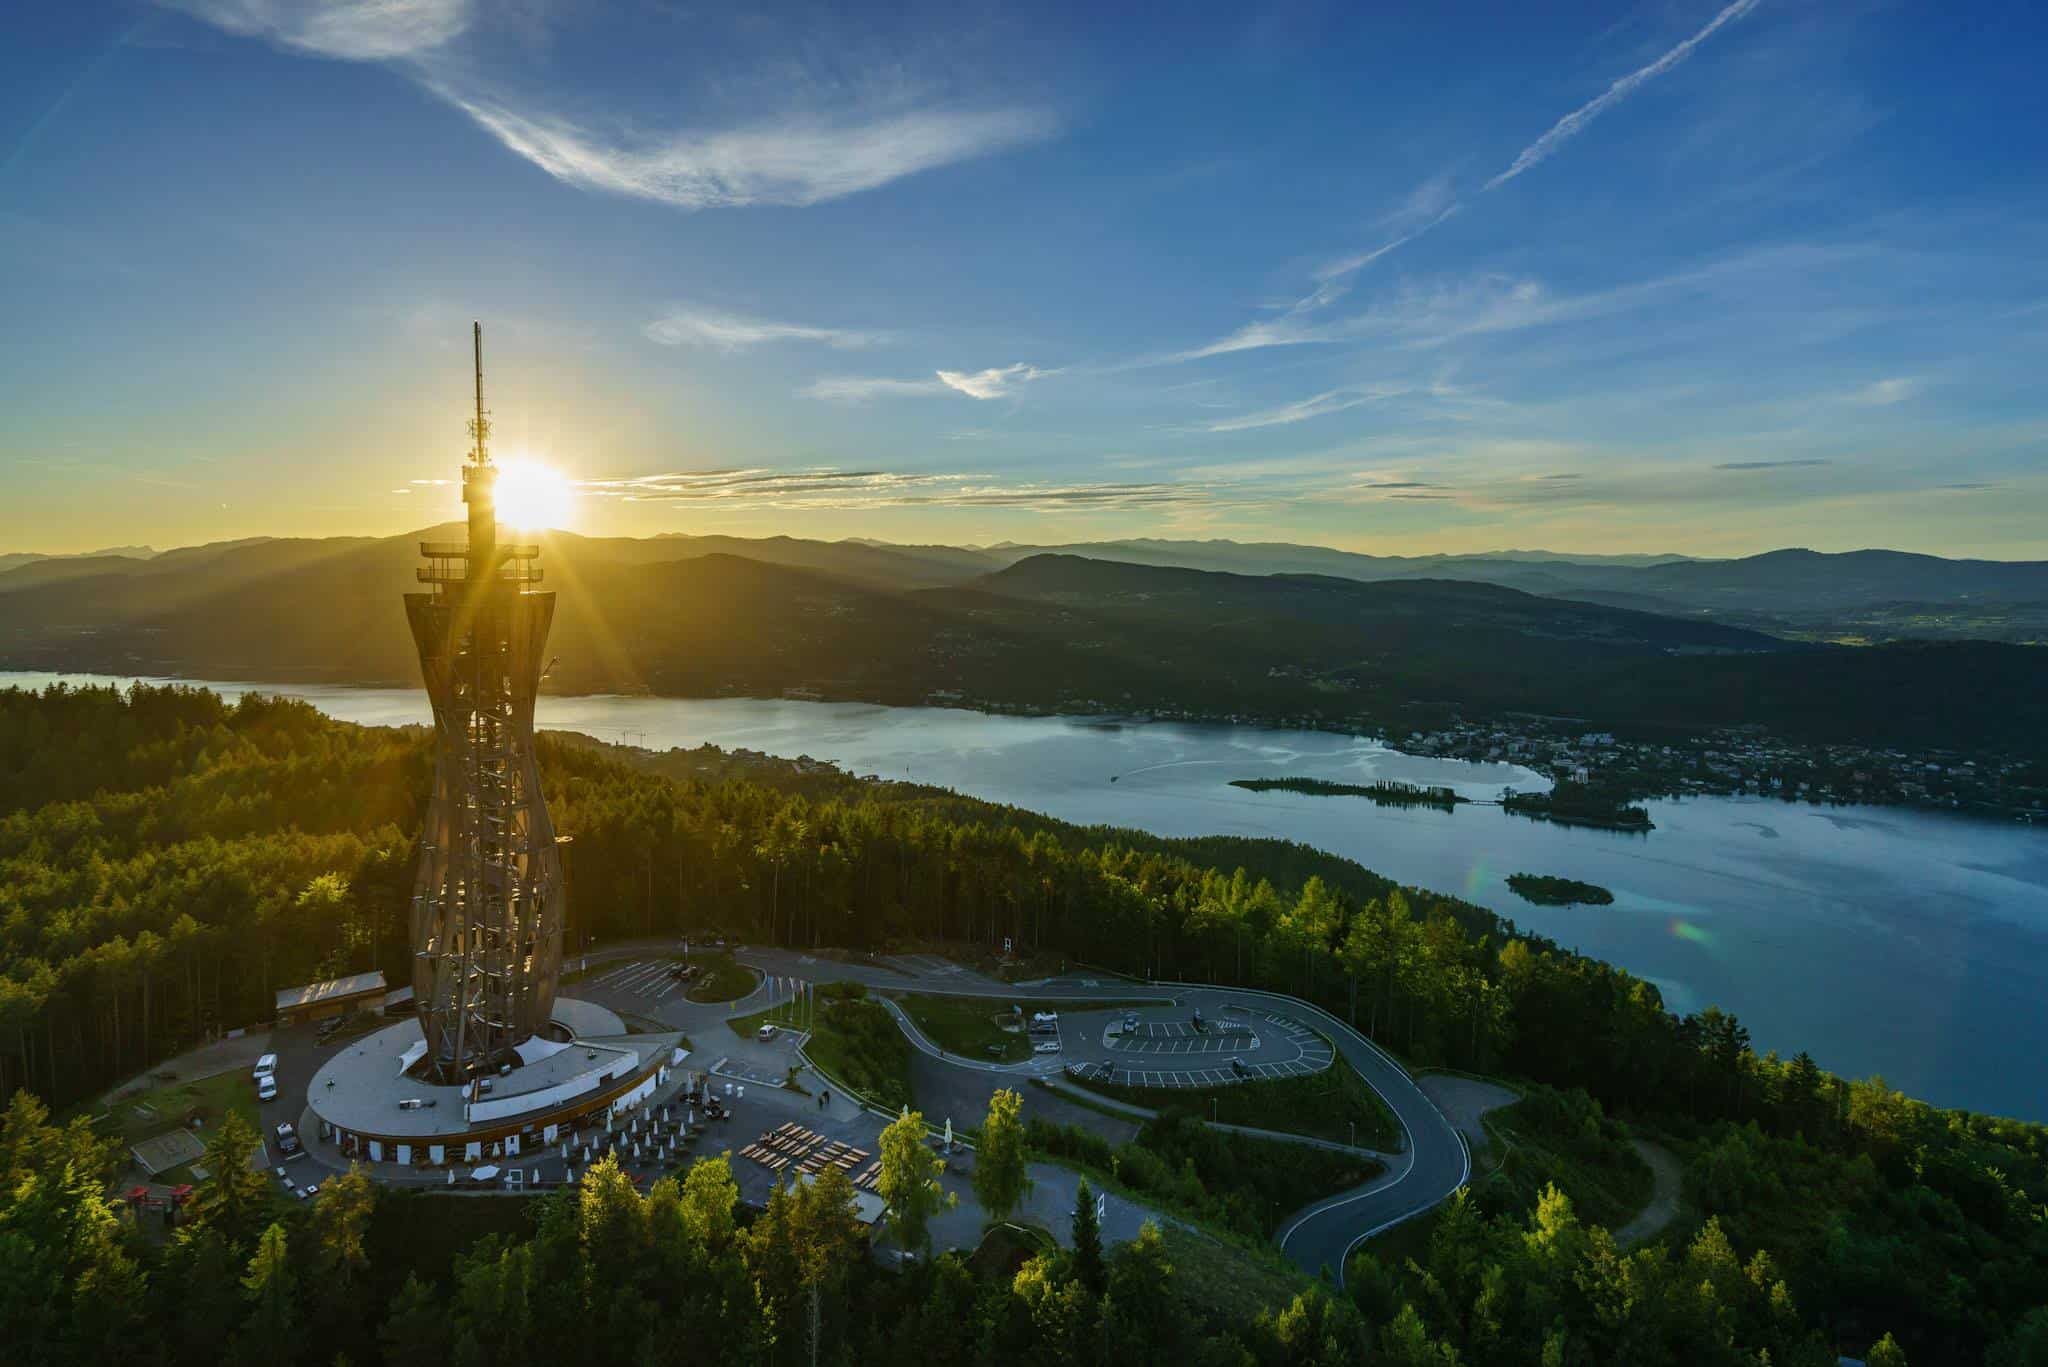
[(1734, 762), (1726, 761)]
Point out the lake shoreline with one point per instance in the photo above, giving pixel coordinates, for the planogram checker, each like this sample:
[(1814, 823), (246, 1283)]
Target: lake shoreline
[(1314, 724), (1787, 914)]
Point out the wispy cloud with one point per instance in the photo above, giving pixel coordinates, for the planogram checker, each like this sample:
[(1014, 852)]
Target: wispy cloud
[(683, 325), (796, 161), (828, 488), (994, 383), (990, 384), (1316, 406), (1884, 393), (1428, 205), (861, 388), (348, 30), (1569, 127), (1772, 464)]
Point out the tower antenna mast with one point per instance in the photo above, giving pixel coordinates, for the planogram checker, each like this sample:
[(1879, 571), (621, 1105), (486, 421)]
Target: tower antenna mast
[(480, 426)]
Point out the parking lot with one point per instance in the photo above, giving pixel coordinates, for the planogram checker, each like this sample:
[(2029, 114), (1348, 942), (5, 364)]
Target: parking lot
[(1239, 1046), (1175, 1037), (647, 979)]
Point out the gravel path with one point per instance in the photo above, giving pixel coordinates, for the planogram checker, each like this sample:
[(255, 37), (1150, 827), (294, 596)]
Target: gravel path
[(1463, 1100), (1663, 1207)]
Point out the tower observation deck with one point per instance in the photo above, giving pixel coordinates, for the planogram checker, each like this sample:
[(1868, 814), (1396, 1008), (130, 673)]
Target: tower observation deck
[(487, 907)]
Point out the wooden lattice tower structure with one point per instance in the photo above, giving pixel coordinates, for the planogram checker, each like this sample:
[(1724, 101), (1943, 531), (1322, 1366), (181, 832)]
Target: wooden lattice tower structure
[(487, 909)]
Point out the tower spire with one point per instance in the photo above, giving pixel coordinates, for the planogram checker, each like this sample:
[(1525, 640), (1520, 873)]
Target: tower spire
[(480, 426)]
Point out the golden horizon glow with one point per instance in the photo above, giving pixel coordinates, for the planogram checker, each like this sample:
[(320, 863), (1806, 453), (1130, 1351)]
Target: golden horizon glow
[(533, 497)]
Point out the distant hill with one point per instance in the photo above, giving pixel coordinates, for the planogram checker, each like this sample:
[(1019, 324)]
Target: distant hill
[(1048, 632), (1874, 595), (50, 569), (1401, 610), (1281, 557), (872, 562), (14, 560), (1801, 580)]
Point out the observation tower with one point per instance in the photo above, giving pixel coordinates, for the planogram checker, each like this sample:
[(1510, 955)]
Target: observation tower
[(492, 1066), (487, 908)]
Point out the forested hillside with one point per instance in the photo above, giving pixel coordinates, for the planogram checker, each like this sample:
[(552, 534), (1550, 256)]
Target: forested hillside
[(167, 859)]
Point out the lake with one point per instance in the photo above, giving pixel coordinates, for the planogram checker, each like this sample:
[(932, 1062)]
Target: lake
[(1880, 939)]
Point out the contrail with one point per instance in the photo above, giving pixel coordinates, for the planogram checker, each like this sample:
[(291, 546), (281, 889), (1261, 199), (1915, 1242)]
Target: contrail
[(1568, 127)]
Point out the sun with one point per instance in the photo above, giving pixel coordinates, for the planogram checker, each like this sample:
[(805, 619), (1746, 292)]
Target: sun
[(532, 496)]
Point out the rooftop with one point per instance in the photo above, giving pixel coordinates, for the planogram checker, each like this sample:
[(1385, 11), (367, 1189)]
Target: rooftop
[(359, 1088), (354, 986)]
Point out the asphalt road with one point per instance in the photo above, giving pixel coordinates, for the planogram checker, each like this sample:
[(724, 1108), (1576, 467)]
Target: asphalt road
[(1433, 1162)]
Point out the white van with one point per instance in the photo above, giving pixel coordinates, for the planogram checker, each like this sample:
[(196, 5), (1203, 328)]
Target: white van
[(265, 1066)]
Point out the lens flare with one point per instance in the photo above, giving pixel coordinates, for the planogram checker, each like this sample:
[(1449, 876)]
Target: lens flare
[(1682, 929), (532, 496)]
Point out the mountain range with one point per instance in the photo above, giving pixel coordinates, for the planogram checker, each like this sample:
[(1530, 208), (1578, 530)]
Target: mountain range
[(1028, 628)]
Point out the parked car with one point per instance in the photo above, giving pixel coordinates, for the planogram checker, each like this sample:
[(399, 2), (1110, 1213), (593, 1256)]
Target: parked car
[(288, 1141), (1130, 1021), (1046, 1046), (266, 1087), (1237, 1066), (416, 1103)]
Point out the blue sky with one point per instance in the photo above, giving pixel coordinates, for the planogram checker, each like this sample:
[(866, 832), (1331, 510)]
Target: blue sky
[(1628, 277)]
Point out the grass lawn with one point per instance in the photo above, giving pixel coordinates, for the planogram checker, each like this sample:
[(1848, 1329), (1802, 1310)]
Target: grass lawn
[(855, 1040), (724, 978), (145, 1115), (967, 1026), (1325, 1105), (168, 1107)]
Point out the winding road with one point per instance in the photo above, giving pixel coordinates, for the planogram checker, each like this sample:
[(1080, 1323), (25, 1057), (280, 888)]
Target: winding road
[(1433, 1162)]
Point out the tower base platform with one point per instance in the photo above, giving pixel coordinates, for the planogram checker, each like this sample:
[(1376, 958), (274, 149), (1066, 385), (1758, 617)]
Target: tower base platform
[(580, 1073)]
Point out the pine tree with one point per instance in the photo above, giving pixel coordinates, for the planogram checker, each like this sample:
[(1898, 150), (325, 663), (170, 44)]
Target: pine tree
[(235, 1197), (268, 1337), (416, 1332), (1088, 1264)]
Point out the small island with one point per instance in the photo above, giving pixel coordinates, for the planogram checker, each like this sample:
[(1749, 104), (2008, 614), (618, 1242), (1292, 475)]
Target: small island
[(1579, 804), (1558, 892), (1386, 793)]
